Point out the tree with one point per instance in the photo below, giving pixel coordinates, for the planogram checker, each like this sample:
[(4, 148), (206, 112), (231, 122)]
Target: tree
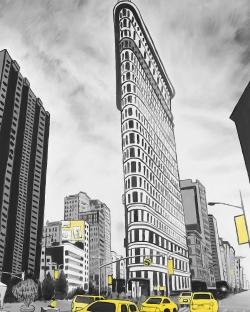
[(61, 286), (48, 287), (26, 292)]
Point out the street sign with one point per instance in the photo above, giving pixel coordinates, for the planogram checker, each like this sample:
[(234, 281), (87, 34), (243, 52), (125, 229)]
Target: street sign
[(170, 266), (147, 261)]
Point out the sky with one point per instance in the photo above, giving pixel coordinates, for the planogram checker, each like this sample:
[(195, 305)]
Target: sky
[(66, 50)]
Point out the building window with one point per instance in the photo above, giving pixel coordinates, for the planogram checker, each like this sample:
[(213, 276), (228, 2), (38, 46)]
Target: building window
[(132, 152), (132, 138), (133, 166), (135, 197), (134, 182), (131, 124)]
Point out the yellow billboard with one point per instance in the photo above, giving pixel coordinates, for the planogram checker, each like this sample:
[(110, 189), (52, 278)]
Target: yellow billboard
[(241, 229), (73, 230)]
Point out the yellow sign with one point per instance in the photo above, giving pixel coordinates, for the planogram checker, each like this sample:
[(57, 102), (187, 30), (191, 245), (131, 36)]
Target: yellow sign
[(73, 230), (110, 279), (170, 266), (241, 229), (56, 274), (147, 261)]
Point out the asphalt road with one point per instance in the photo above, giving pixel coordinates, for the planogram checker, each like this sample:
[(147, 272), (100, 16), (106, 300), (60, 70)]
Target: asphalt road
[(233, 303)]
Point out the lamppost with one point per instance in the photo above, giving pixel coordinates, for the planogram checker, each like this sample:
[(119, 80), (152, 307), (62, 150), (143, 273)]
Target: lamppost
[(244, 214)]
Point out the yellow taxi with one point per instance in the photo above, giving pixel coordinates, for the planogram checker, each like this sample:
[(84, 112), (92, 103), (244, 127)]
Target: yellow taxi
[(81, 301), (184, 298), (111, 305), (203, 302), (158, 304)]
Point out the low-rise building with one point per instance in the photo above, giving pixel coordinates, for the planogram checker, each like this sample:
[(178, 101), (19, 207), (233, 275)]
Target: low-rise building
[(69, 258), (73, 239)]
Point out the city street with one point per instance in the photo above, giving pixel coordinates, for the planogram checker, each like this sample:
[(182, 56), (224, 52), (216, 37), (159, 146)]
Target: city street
[(233, 303)]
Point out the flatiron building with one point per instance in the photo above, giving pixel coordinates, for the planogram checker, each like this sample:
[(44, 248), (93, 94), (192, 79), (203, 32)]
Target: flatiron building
[(154, 217)]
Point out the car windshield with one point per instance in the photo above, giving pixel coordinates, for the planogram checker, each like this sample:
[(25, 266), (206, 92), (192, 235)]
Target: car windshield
[(87, 300), (154, 301), (186, 294), (201, 296), (102, 307)]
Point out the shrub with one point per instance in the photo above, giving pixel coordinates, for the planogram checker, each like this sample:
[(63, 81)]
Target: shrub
[(61, 286), (25, 291), (48, 287)]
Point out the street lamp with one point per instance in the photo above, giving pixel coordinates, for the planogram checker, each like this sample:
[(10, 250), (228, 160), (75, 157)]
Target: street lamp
[(240, 223)]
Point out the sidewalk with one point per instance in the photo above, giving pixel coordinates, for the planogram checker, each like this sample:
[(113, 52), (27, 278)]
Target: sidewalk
[(64, 306)]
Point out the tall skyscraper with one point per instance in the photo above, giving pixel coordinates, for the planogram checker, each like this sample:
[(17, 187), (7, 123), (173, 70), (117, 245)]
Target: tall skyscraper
[(215, 248), (81, 207), (24, 132), (154, 217), (197, 225)]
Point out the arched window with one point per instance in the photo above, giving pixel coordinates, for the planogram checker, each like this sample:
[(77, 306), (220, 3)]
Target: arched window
[(128, 87), (128, 76), (127, 66), (126, 55)]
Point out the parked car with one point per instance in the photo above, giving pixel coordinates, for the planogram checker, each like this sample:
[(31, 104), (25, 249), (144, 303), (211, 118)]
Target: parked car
[(159, 304), (185, 298), (82, 301), (203, 302), (110, 305)]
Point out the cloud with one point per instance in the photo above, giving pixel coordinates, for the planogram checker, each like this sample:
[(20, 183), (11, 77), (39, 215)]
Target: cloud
[(66, 49)]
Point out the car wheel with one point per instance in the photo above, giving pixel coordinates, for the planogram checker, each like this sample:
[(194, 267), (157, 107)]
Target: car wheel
[(174, 310), (166, 310)]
